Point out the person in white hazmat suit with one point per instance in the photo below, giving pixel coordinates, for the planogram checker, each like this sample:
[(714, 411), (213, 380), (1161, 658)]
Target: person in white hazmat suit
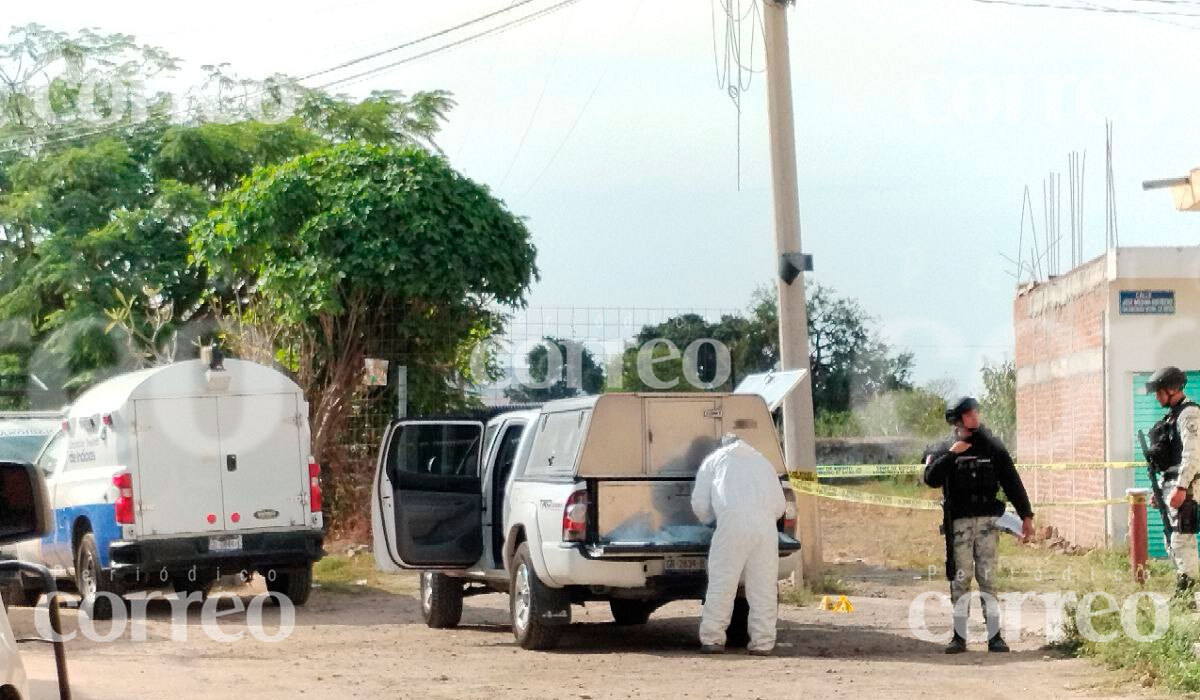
[(738, 488)]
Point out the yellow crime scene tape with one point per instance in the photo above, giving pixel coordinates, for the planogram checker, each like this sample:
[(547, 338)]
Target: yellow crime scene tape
[(806, 482), (856, 471)]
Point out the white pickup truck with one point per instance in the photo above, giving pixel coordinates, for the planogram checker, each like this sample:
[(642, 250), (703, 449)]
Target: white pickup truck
[(580, 500)]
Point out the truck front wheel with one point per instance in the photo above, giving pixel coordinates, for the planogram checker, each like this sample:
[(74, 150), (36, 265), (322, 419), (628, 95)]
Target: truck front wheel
[(441, 600), (526, 598), (294, 583), (93, 581)]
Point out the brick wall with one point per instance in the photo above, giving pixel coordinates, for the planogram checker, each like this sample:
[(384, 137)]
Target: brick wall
[(1059, 329)]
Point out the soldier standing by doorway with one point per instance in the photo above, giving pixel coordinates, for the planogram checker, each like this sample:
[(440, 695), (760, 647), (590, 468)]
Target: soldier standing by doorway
[(969, 468), (1175, 449)]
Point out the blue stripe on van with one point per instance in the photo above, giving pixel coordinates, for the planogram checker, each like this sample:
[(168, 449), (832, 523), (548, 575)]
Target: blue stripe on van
[(103, 523)]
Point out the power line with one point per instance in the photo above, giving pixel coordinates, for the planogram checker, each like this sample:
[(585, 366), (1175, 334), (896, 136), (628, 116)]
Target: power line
[(1088, 8), (296, 81), (500, 28), (407, 44), (579, 116), (538, 104)]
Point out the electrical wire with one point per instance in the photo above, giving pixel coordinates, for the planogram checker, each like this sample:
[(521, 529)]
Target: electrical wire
[(579, 116), (1087, 8), (428, 37), (295, 81), (498, 29), (537, 105)]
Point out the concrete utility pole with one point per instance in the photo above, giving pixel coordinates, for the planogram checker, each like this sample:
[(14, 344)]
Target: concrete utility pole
[(798, 434)]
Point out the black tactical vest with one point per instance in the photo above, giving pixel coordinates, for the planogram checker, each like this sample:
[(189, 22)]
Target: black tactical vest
[(1166, 444), (973, 482)]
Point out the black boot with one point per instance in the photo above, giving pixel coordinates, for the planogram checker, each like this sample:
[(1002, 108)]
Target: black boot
[(996, 644), (1183, 584), (957, 645)]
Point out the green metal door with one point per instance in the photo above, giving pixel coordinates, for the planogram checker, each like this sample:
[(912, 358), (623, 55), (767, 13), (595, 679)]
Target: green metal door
[(1146, 413)]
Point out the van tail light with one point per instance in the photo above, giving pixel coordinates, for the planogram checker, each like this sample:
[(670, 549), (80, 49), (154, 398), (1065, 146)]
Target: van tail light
[(575, 517), (314, 487), (123, 507)]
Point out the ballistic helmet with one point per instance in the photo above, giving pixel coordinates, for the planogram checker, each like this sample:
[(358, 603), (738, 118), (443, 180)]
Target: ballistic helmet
[(955, 411), (1166, 378)]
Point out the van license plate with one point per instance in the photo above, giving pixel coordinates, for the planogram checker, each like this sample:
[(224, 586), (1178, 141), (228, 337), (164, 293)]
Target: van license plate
[(225, 543), (684, 564)]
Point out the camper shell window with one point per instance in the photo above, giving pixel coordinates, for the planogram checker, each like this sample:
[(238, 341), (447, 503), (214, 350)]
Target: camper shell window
[(556, 443)]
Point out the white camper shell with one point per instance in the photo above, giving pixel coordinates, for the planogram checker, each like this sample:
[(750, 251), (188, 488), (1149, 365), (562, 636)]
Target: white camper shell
[(179, 474)]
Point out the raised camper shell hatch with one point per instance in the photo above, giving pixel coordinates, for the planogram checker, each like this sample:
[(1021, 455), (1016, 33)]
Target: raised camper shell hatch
[(199, 443), (640, 453), (677, 432)]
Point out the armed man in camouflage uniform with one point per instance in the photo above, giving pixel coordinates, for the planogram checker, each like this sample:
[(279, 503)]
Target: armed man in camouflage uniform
[(969, 469), (1175, 449)]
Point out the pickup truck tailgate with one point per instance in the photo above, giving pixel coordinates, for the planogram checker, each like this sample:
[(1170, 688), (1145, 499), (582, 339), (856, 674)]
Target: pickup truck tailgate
[(644, 516)]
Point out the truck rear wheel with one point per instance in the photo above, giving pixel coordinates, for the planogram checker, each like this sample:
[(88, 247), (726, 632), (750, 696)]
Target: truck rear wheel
[(441, 600), (627, 613), (294, 583), (738, 633), (525, 602), (92, 580)]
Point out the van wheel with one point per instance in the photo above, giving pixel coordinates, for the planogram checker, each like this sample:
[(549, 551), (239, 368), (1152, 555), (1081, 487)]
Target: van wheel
[(441, 600), (92, 580), (294, 583), (627, 613), (738, 633), (525, 606)]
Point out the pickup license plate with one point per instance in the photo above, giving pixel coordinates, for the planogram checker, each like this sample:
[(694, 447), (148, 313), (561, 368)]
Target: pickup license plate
[(677, 564), (225, 543)]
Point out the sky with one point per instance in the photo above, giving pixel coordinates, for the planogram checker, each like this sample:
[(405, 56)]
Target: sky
[(919, 123)]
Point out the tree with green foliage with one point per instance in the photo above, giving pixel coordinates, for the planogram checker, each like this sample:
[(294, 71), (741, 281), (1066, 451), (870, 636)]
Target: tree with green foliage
[(340, 241), (850, 364), (998, 405), (911, 412), (576, 373), (94, 221)]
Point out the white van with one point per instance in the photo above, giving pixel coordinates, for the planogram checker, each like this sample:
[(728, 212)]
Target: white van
[(177, 475)]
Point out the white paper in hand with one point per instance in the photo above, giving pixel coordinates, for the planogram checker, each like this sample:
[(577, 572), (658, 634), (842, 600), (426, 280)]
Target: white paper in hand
[(1010, 522)]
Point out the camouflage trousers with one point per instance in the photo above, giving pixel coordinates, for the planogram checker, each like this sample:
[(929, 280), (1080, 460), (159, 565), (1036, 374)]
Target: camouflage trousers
[(975, 541), (1183, 547)]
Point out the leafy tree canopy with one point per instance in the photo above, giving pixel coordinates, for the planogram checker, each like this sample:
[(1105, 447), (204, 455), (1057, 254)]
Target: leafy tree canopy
[(577, 373), (356, 237)]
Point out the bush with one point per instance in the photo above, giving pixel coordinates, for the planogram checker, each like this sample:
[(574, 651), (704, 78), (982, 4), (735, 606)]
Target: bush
[(906, 412), (837, 424)]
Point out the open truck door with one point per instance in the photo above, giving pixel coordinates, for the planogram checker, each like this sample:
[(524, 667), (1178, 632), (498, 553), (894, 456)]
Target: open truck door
[(25, 513), (428, 501)]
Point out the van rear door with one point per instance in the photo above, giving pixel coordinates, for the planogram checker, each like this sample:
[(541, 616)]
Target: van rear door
[(428, 497), (178, 481), (264, 463)]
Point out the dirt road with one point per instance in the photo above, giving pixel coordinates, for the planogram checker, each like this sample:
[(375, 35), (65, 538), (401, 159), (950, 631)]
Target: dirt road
[(373, 644)]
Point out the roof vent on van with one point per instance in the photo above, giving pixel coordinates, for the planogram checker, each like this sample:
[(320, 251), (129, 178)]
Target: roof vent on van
[(215, 377)]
